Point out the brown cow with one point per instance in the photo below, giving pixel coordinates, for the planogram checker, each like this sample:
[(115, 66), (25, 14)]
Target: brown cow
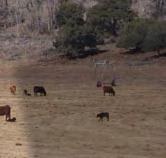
[(108, 89), (13, 89), (5, 110)]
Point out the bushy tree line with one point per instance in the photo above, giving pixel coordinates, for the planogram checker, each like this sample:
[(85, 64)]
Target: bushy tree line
[(74, 34), (109, 16), (144, 35), (80, 29)]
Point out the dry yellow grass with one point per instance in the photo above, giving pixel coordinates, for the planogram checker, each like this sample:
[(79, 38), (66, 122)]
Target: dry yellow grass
[(64, 124)]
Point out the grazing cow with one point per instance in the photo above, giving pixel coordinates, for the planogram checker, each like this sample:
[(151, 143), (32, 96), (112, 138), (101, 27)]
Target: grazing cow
[(5, 110), (13, 89), (108, 89), (40, 90), (99, 84), (26, 93), (102, 115)]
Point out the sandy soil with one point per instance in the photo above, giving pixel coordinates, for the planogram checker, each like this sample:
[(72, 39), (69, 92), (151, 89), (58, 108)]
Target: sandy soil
[(64, 125)]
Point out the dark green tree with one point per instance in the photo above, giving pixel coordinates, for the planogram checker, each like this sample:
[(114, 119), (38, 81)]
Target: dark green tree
[(108, 16), (145, 35), (134, 34), (69, 14), (156, 37), (73, 40), (74, 34)]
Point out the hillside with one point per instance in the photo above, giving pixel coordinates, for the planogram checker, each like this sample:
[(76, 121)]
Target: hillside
[(28, 27), (63, 124)]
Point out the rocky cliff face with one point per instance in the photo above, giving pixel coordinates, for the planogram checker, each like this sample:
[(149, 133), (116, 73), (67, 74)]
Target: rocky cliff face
[(150, 8)]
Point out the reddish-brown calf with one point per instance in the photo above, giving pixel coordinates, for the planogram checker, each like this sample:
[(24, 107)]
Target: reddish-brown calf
[(109, 90)]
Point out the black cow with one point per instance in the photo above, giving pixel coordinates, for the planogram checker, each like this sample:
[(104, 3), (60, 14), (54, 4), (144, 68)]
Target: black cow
[(102, 115), (39, 90), (98, 84)]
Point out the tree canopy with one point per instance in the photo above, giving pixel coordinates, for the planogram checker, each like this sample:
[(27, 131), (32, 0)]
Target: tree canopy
[(156, 37), (144, 35), (69, 14), (108, 16), (133, 34), (74, 34)]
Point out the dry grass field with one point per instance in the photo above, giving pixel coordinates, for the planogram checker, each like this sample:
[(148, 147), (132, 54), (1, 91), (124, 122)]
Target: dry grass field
[(64, 125)]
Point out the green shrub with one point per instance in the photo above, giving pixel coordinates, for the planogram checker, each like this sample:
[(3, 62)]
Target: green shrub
[(69, 14), (74, 34), (144, 35), (108, 16), (133, 35), (156, 37)]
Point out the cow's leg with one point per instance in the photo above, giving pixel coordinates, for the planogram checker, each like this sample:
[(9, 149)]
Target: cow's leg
[(7, 117), (100, 119)]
